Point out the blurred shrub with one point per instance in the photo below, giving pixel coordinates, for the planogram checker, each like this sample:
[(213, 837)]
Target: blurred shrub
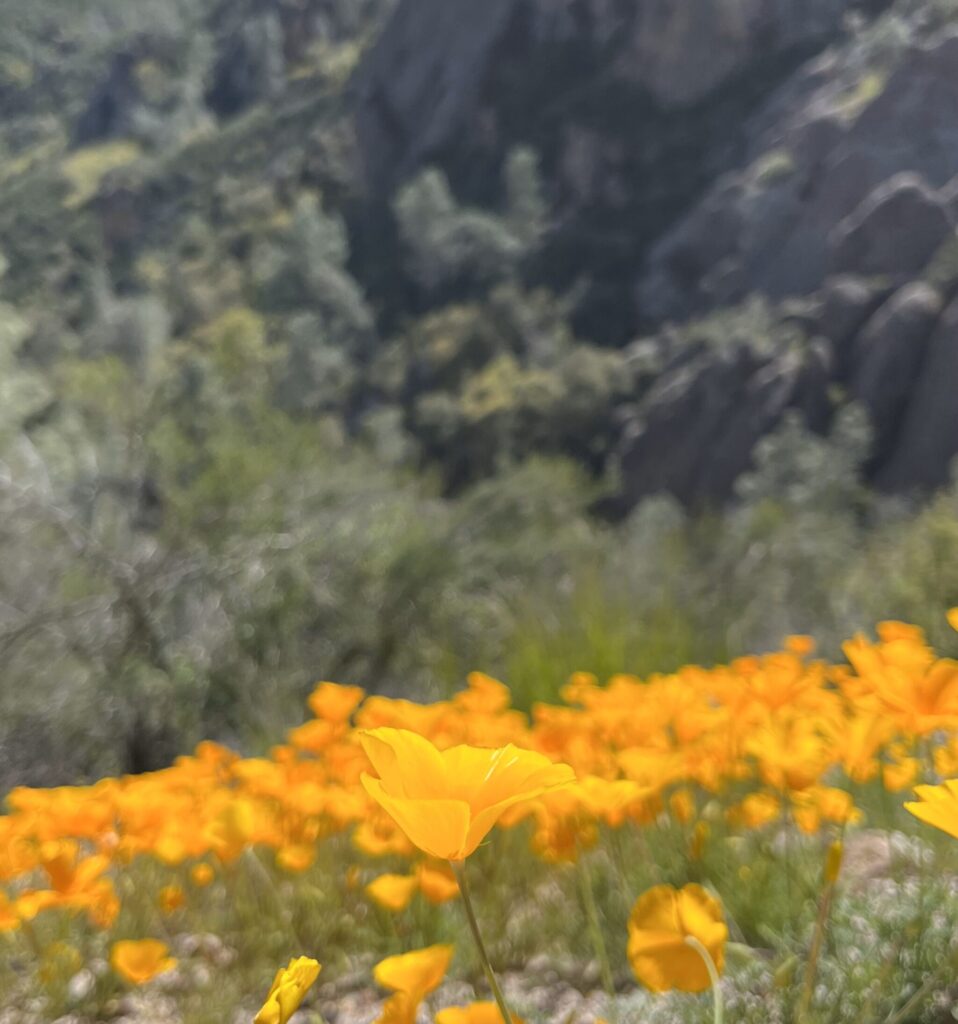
[(451, 245), (87, 167)]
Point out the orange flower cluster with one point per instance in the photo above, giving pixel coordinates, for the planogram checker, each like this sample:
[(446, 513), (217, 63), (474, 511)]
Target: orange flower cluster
[(765, 736)]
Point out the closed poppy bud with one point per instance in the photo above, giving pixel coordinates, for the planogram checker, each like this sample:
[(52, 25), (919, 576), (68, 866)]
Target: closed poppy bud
[(833, 862), (661, 921), (700, 835), (286, 993)]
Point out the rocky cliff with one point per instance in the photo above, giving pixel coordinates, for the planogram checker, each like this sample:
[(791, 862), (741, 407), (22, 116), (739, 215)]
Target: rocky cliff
[(705, 159), (634, 107), (639, 233)]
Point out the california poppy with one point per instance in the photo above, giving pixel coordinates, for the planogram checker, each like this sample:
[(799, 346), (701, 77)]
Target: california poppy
[(473, 1013), (139, 960), (392, 892), (662, 920), (286, 993), (447, 801), (411, 976), (938, 806)]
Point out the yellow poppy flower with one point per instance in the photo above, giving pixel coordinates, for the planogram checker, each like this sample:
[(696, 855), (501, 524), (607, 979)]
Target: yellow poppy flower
[(938, 806), (286, 993), (411, 976), (447, 801), (335, 703), (392, 892), (436, 882), (296, 857), (474, 1013), (9, 917), (661, 921), (755, 811), (416, 973), (139, 960)]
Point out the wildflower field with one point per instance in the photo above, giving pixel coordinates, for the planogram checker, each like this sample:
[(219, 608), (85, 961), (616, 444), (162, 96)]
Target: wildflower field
[(764, 839)]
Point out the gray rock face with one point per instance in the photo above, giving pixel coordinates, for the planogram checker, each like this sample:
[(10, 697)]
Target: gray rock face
[(697, 427), (888, 355), (846, 303), (424, 86), (681, 51), (928, 440), (673, 443), (846, 188), (817, 164), (694, 431), (422, 82), (894, 231)]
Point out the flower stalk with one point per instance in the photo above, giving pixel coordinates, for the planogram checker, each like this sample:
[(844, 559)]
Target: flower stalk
[(833, 865), (595, 933), (718, 1003), (459, 871)]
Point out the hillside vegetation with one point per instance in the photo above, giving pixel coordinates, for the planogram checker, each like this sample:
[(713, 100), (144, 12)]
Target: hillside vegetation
[(271, 414)]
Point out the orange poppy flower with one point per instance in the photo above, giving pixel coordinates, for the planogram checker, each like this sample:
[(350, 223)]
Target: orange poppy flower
[(447, 801), (661, 921), (201, 875), (171, 898), (392, 892), (411, 976), (335, 703), (139, 960), (436, 882), (473, 1013), (938, 806)]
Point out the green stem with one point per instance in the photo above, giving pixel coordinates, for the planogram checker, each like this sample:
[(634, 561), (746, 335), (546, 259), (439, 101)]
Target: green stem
[(598, 940), (787, 855), (268, 885), (818, 939), (718, 1002), (460, 874), (26, 928)]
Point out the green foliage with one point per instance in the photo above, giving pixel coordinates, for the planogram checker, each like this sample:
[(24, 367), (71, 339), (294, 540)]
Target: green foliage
[(255, 432), (450, 245), (86, 168)]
